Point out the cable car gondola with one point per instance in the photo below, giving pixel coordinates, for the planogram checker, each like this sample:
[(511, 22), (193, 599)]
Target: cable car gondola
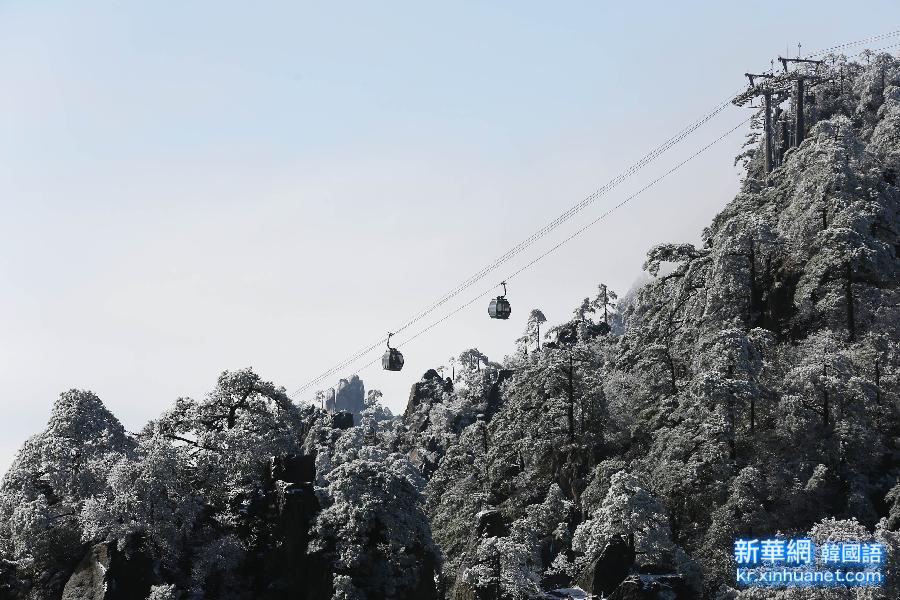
[(392, 359), (499, 307)]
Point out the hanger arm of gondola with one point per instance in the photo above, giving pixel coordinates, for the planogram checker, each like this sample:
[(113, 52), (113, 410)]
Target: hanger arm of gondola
[(500, 308)]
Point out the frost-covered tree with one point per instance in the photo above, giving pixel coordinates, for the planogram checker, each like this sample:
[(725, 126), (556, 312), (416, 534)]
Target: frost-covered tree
[(604, 301), (584, 309), (230, 435), (375, 527), (472, 359), (629, 511), (152, 495), (52, 477), (533, 326), (163, 592)]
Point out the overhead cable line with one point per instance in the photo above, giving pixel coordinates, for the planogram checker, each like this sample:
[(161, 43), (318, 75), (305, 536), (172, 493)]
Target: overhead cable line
[(524, 244), (559, 220), (868, 40), (568, 239)]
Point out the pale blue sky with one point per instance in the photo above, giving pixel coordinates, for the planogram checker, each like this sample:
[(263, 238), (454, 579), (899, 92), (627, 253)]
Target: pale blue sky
[(188, 187)]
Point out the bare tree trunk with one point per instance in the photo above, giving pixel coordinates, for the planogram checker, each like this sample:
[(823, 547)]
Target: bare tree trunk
[(752, 414), (732, 433), (848, 292), (877, 383), (570, 413)]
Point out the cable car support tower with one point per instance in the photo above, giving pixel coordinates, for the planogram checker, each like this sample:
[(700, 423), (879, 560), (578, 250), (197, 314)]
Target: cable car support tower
[(774, 90)]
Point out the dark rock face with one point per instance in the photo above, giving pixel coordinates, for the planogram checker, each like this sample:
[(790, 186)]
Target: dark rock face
[(132, 569), (88, 582), (652, 587), (495, 400), (342, 420), (894, 511), (429, 467), (567, 335), (430, 388), (425, 588), (554, 582), (10, 585), (609, 570), (491, 523), (464, 591), (293, 468), (598, 329), (107, 573), (431, 375), (349, 396), (283, 568), (296, 510), (562, 594), (488, 523)]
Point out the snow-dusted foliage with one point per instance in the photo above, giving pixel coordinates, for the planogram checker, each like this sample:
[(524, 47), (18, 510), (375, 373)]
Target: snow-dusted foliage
[(54, 474), (163, 592), (193, 506), (749, 386), (153, 495), (375, 526)]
